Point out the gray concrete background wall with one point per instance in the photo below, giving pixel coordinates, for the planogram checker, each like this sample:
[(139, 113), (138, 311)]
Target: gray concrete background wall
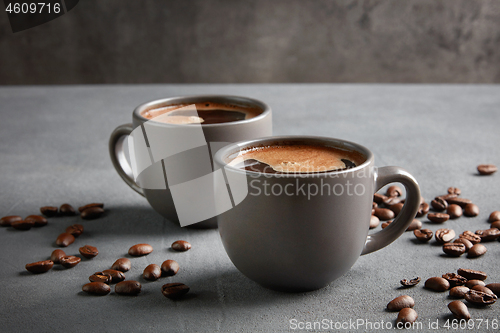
[(226, 41)]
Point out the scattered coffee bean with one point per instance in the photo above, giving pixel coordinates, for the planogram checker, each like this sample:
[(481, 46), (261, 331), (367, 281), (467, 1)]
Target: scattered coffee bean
[(374, 222), (471, 210), (439, 204), (464, 241), (174, 290), (65, 239), (496, 225), (400, 302), (447, 196), (414, 225), (444, 235), (75, 229), (49, 211), (40, 266), (138, 250), (152, 272), (423, 235), (471, 274), (410, 283), (70, 261), (454, 190), (57, 255), (438, 217), (488, 234), (480, 298), (471, 237), (7, 220), (494, 287), (386, 224), (476, 250), (486, 169), (437, 284), (22, 225), (462, 202), (455, 211), (101, 277), (483, 289), (129, 287), (379, 198), (67, 210), (454, 249), (459, 291), (90, 205), (472, 283), (92, 213), (374, 204), (423, 209), (459, 310), (39, 221), (397, 208), (182, 245), (169, 267), (116, 276), (391, 201), (96, 288), (454, 279), (122, 265), (394, 191), (407, 315), (495, 216), (88, 251)]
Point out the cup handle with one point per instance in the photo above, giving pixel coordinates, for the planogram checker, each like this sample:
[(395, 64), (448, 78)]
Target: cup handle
[(117, 155), (384, 176)]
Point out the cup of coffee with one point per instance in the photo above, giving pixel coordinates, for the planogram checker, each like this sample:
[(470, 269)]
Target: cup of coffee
[(305, 219), (171, 143)]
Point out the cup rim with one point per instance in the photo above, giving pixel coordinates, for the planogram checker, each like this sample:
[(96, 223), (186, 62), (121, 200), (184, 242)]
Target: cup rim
[(223, 153), (266, 110)]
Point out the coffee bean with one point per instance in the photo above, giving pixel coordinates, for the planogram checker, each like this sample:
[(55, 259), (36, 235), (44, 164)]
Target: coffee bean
[(116, 276), (439, 204), (182, 245), (22, 225), (494, 287), (90, 205), (92, 213), (476, 250), (438, 217), (459, 291), (129, 287), (69, 261), (462, 202), (496, 225), (39, 221), (437, 284), (472, 283), (495, 216), (444, 235), (67, 210), (447, 196), (57, 255), (374, 221), (454, 279), (7, 220), (174, 290), (152, 272), (480, 298), (394, 191), (122, 265), (454, 249), (486, 169), (464, 241), (423, 235), (101, 277), (423, 209), (75, 229), (471, 210), (96, 288), (400, 302), (169, 267), (459, 310), (49, 211), (454, 190), (374, 204), (384, 214), (391, 201), (455, 211), (483, 289), (65, 239), (414, 225), (488, 234), (407, 315), (379, 198), (471, 274), (410, 283), (471, 237), (88, 251), (397, 208), (40, 266), (385, 224), (138, 250)]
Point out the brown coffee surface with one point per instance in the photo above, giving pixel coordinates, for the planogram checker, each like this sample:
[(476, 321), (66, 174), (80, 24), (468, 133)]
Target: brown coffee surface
[(297, 159)]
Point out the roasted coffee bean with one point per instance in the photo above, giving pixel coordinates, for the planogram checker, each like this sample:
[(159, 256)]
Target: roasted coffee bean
[(7, 220), (92, 213), (384, 214), (88, 251), (385, 224), (182, 245), (496, 225), (101, 277), (494, 287), (410, 283), (70, 261), (40, 266), (459, 310), (116, 276), (447, 196), (67, 210), (423, 235), (407, 315), (455, 211), (464, 241), (471, 274), (438, 217), (169, 268), (472, 283), (454, 279), (138, 250), (96, 288), (414, 225), (57, 255), (483, 289), (437, 284), (454, 190), (423, 209), (454, 249), (152, 272), (439, 204), (391, 201), (39, 221), (486, 169), (394, 191), (129, 287), (174, 290), (444, 235), (65, 239), (122, 265), (471, 237), (480, 298), (374, 222), (379, 198), (90, 205), (397, 208), (49, 211), (471, 210), (459, 291), (374, 204), (495, 216), (401, 302), (22, 225), (476, 250), (75, 229), (488, 234), (462, 202)]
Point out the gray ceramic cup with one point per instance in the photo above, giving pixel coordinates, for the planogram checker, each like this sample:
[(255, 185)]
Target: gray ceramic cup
[(288, 239), (216, 136)]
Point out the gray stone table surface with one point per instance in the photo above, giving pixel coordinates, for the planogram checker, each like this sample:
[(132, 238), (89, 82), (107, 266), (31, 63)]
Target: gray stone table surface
[(53, 148)]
